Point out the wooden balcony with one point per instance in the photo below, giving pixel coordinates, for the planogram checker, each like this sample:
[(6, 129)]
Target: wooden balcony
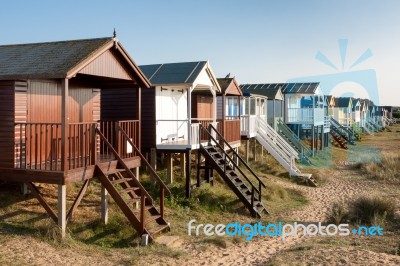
[(38, 155), (248, 125), (311, 116)]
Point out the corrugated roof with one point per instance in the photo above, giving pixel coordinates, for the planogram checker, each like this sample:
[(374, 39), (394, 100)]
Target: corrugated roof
[(173, 73), (46, 60), (302, 88)]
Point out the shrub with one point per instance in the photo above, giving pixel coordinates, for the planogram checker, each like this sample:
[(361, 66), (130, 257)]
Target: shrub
[(387, 169), (338, 214), (371, 210)]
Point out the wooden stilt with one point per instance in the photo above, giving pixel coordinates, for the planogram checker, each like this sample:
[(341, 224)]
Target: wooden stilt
[(188, 175), (24, 189), (247, 151), (236, 157), (255, 150), (170, 168), (312, 139), (78, 200), (104, 205), (183, 164), (62, 209), (153, 162)]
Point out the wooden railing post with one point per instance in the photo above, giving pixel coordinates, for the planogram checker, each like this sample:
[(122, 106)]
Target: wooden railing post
[(252, 196), (162, 202), (142, 212), (93, 145)]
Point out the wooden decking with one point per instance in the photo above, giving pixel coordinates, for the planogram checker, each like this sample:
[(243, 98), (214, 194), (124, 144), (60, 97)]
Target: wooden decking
[(38, 156)]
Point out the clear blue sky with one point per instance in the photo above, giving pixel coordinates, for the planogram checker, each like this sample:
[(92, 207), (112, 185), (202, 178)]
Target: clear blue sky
[(257, 41)]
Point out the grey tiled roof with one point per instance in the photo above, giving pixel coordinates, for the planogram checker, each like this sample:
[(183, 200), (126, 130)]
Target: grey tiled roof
[(173, 73), (301, 88), (342, 101), (45, 60)]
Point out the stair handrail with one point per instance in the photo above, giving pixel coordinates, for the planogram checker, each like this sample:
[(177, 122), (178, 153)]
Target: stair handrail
[(284, 127), (121, 161), (225, 155), (342, 128), (153, 172), (234, 152), (269, 130)]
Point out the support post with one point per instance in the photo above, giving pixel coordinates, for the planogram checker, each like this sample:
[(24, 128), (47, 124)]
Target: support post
[(170, 168), (153, 163), (255, 150), (183, 163), (104, 205), (247, 151), (62, 209), (64, 125), (188, 177), (312, 139)]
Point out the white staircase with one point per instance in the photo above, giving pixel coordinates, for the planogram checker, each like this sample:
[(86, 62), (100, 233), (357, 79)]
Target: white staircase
[(278, 148)]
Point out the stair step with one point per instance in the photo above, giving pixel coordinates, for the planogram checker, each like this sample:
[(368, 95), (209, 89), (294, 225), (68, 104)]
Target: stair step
[(120, 180), (130, 189), (132, 200), (158, 229), (151, 218)]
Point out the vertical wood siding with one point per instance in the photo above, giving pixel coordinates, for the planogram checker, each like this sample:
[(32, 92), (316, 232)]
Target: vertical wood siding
[(148, 121), (7, 99), (21, 116), (107, 65)]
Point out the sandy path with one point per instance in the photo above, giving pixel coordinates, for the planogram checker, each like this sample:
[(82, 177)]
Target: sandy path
[(261, 250), (256, 252)]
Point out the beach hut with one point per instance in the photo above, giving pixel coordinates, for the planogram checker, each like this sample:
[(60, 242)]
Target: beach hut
[(228, 110), (254, 125), (305, 112), (274, 100), (180, 117), (69, 112), (343, 111), (330, 105)]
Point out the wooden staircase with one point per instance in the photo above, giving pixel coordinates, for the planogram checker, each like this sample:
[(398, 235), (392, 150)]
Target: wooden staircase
[(339, 139), (219, 159), (131, 197), (294, 141), (345, 133), (280, 150)]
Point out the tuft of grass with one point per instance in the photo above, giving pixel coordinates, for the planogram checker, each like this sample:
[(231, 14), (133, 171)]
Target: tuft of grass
[(337, 214), (371, 210), (387, 169), (217, 241)]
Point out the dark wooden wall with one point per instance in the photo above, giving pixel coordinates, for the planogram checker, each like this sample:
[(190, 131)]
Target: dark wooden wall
[(118, 104), (7, 99), (148, 113)]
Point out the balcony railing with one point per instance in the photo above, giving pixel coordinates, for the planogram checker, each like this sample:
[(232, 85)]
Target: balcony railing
[(38, 146), (305, 116), (248, 126)]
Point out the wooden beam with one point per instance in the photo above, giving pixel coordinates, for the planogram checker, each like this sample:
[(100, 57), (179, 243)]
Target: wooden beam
[(188, 174), (37, 176), (64, 125), (104, 205), (62, 209), (77, 200), (183, 164), (170, 168), (42, 201)]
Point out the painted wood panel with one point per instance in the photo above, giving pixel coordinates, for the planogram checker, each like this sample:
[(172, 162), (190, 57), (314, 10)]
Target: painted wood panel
[(148, 118), (107, 65), (171, 115), (7, 99)]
